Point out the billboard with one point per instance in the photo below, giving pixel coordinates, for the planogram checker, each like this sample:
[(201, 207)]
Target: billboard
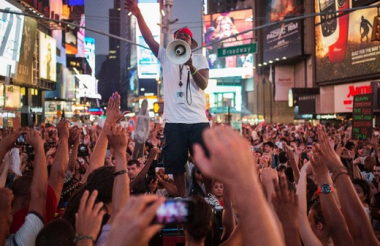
[(65, 86), (282, 41), (228, 26), (25, 64), (147, 64), (11, 27), (89, 51), (81, 38), (343, 45), (344, 95), (48, 58), (358, 3)]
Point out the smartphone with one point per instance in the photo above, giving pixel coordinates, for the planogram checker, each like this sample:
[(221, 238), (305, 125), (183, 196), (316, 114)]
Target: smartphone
[(329, 23), (21, 139), (174, 211), (337, 51)]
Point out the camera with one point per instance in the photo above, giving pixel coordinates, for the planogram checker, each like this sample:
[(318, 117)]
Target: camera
[(173, 212), (82, 150), (21, 139)]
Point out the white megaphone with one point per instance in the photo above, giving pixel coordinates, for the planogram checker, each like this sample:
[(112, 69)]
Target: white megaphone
[(178, 51)]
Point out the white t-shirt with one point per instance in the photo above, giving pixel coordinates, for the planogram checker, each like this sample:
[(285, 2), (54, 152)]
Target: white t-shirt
[(28, 232), (175, 112)]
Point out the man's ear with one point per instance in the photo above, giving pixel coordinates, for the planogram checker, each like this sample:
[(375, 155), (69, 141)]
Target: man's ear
[(320, 226)]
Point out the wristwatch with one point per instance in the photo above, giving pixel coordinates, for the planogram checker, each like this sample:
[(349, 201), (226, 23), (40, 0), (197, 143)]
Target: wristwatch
[(325, 189)]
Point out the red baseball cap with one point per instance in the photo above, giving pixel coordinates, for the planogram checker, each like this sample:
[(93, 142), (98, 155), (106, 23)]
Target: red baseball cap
[(186, 30)]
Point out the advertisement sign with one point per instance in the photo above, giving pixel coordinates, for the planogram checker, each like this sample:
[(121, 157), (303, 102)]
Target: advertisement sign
[(25, 64), (88, 86), (12, 97), (362, 115), (226, 27), (48, 57), (89, 51), (147, 64), (358, 3), (284, 82), (344, 95), (81, 38), (343, 46), (282, 40), (11, 27)]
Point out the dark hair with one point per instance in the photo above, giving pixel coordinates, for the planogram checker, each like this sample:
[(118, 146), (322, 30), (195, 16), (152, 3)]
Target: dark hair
[(132, 162), (101, 179), (289, 174), (57, 232), (21, 186), (282, 158), (318, 215), (349, 145), (365, 187), (201, 224)]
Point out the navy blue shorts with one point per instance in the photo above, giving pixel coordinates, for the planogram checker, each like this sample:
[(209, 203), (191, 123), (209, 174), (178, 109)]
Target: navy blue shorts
[(179, 140)]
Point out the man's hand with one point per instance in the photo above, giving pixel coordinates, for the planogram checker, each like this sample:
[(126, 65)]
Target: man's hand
[(139, 212), (34, 139), (132, 6), (63, 129), (117, 137), (221, 142), (113, 112), (89, 217), (9, 141), (331, 159), (74, 135)]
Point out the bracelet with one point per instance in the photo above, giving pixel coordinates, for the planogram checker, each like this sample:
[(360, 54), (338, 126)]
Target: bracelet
[(338, 172), (79, 237), (196, 70), (120, 172)]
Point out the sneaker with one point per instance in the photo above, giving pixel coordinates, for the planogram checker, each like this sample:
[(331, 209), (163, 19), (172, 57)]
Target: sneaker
[(213, 202)]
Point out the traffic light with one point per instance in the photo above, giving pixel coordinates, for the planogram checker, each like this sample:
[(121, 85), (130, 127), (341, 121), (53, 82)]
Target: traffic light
[(158, 107)]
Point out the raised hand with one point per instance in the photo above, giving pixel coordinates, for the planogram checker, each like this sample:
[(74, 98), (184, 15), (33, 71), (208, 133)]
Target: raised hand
[(132, 6), (330, 158), (89, 217), (74, 135), (9, 141), (63, 129), (34, 139), (113, 112), (117, 136)]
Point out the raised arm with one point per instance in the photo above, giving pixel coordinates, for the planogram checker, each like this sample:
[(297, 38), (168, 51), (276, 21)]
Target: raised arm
[(141, 176), (132, 6), (74, 141), (257, 225), (6, 145), (307, 235), (356, 218), (38, 188), (331, 212), (6, 198), (118, 139), (60, 163)]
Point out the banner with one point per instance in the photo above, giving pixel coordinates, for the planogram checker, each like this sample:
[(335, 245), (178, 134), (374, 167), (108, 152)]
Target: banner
[(344, 95), (284, 80), (362, 115), (25, 64), (343, 46), (11, 27), (48, 59), (227, 27), (282, 41)]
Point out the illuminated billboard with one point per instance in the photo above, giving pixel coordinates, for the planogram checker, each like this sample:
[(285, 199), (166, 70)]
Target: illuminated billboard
[(147, 64), (343, 45), (80, 38), (282, 41), (89, 51), (228, 26), (25, 64), (48, 57), (11, 27)]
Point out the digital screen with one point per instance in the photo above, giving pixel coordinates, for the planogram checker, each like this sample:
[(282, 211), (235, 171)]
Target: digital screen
[(224, 30), (48, 59), (353, 54)]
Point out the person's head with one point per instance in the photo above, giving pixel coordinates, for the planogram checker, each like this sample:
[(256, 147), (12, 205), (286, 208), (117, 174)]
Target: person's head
[(201, 224), (186, 35), (309, 147), (196, 174), (101, 179), (317, 222), (362, 190), (133, 167), (268, 147), (369, 163), (373, 187), (144, 105), (365, 152), (266, 159), (57, 232), (21, 188), (225, 26), (217, 189), (376, 172), (282, 157)]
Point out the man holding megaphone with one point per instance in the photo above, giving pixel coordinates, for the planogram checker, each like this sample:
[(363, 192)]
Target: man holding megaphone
[(185, 77)]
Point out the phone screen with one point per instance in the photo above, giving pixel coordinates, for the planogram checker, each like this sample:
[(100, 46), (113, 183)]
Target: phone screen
[(173, 212), (21, 139)]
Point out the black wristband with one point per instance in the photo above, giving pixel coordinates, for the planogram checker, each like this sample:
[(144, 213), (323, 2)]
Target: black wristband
[(120, 172), (79, 237)]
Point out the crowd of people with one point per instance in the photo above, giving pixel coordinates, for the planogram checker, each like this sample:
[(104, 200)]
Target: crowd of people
[(274, 184)]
